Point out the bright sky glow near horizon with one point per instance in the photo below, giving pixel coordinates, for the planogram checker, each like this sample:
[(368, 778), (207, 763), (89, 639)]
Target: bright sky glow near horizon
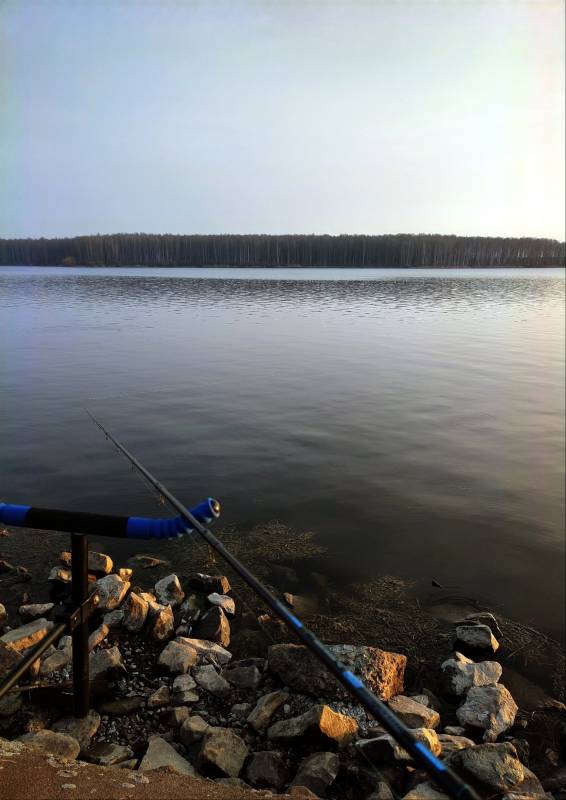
[(282, 116)]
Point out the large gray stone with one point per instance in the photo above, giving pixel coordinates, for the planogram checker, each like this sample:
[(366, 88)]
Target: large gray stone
[(106, 664), (478, 637), (460, 673), (495, 767), (267, 769), (168, 591), (27, 635), (56, 744), (159, 754), (320, 723), (207, 677), (177, 657), (80, 729), (317, 772), (380, 670), (489, 707), (222, 754), (413, 714), (206, 651), (111, 590), (265, 708)]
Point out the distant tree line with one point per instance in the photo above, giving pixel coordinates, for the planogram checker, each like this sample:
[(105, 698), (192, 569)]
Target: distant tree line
[(172, 250)]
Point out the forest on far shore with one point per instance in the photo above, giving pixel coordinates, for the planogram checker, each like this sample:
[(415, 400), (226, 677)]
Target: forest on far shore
[(174, 250)]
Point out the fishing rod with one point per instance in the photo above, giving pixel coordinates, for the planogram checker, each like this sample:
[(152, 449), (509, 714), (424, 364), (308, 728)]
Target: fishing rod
[(444, 777)]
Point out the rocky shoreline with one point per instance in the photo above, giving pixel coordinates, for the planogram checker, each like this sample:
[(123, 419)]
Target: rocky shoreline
[(168, 692)]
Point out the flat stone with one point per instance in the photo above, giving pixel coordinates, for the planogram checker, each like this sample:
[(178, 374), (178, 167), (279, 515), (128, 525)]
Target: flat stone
[(56, 744), (161, 622), (80, 729), (121, 706), (34, 610), (168, 591), (386, 750), (477, 637), (413, 714), (161, 697), (489, 707), (145, 562), (454, 730), (317, 772), (106, 663), (214, 626), (98, 636), (159, 754), (207, 677), (222, 754), (319, 722), (55, 662), (460, 673), (244, 677), (209, 584), (177, 657), (135, 612), (206, 650), (495, 767), (265, 708), (226, 603), (267, 769), (27, 635), (111, 590), (381, 671), (193, 729), (107, 755)]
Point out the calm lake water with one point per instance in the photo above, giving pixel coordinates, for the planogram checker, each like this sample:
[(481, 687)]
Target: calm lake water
[(414, 419)]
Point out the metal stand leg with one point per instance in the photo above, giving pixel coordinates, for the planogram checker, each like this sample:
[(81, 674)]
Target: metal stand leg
[(79, 568)]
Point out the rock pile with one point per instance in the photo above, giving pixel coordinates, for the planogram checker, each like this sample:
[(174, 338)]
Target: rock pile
[(167, 693)]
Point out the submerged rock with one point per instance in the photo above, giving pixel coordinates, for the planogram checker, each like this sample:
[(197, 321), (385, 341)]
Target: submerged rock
[(489, 707), (319, 722), (380, 670), (460, 673)]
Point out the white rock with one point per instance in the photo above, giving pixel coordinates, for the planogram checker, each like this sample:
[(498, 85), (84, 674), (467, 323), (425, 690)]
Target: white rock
[(168, 591), (226, 603), (489, 707), (477, 636), (461, 673), (111, 590)]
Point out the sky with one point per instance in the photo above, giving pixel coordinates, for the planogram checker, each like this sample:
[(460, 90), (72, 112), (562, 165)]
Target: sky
[(282, 116)]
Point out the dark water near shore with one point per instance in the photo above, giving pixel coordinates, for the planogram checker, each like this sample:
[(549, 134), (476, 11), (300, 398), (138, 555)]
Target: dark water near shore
[(413, 419)]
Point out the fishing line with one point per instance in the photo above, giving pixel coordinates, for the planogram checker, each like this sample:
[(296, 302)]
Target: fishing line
[(442, 775)]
